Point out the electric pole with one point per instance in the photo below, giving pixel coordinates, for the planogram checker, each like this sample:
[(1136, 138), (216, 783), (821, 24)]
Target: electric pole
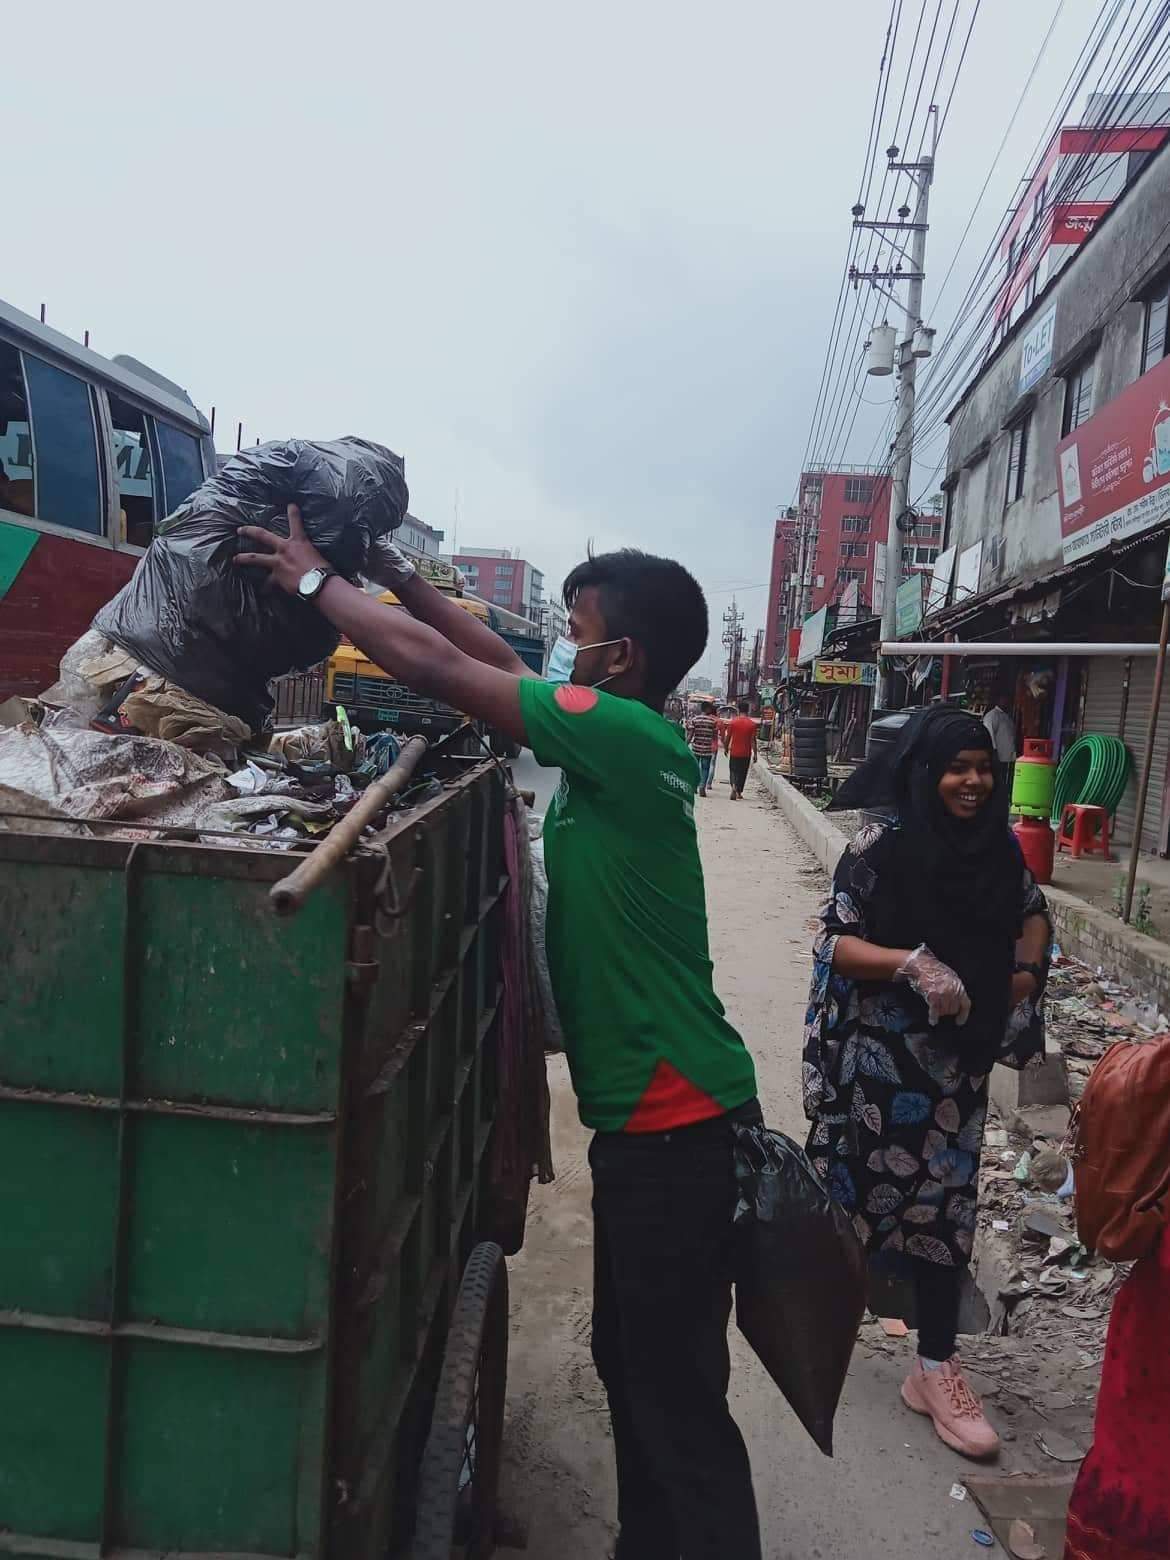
[(909, 351), (733, 639)]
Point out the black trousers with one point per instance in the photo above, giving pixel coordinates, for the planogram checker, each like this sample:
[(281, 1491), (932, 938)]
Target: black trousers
[(662, 1209), (937, 1290), (739, 771)]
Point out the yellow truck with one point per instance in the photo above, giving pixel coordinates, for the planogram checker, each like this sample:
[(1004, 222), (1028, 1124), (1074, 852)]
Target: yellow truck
[(373, 697)]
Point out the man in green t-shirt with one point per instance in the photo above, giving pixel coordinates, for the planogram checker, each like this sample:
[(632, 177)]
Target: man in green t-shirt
[(660, 1074)]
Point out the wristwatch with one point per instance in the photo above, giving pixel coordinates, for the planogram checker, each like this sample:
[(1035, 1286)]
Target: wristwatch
[(309, 585)]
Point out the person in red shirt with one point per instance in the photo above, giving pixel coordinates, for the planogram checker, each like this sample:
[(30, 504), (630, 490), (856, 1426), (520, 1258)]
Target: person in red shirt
[(740, 745)]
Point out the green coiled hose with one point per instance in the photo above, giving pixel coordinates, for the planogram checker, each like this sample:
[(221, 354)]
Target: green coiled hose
[(1094, 772)]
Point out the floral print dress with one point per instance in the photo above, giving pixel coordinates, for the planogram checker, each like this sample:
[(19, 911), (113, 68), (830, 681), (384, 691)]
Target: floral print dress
[(897, 1124)]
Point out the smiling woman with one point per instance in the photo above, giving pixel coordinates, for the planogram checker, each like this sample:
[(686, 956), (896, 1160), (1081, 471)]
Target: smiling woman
[(919, 988)]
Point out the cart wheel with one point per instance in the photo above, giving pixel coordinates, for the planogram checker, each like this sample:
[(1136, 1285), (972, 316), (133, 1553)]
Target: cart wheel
[(460, 1473)]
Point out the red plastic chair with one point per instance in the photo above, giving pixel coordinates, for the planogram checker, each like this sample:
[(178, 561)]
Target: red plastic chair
[(1084, 831)]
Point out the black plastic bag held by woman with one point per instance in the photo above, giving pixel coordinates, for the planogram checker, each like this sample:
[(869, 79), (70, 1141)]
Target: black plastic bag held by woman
[(800, 1276)]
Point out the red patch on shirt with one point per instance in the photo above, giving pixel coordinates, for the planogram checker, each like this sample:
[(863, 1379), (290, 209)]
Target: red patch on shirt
[(574, 700), (671, 1101)]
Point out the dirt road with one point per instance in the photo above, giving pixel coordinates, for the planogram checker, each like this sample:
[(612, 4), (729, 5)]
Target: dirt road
[(886, 1493)]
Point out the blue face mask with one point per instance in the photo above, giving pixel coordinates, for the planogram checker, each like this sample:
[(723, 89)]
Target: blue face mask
[(563, 657)]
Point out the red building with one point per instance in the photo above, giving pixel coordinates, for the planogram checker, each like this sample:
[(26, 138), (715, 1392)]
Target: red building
[(834, 539)]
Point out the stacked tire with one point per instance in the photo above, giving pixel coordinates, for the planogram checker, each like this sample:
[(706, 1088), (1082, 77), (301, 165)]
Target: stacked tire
[(810, 759)]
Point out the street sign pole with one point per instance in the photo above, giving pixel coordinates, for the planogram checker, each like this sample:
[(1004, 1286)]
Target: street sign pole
[(1148, 761)]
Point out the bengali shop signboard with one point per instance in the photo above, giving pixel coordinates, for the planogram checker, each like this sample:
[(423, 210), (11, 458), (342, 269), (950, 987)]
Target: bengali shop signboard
[(845, 674), (1115, 469)]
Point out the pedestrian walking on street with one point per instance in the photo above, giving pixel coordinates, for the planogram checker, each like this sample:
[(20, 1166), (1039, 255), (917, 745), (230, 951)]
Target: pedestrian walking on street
[(930, 966), (741, 736), (704, 740), (661, 1076)]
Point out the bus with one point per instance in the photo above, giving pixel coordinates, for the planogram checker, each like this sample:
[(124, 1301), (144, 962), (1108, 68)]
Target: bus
[(94, 453)]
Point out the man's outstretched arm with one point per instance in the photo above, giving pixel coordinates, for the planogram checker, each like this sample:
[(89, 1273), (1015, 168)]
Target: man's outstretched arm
[(420, 655), (391, 567)]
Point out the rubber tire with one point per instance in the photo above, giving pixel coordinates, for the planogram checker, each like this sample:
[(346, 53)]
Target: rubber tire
[(477, 1343)]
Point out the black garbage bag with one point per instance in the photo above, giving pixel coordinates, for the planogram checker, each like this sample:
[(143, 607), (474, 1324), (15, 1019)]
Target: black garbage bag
[(800, 1276), (221, 632)]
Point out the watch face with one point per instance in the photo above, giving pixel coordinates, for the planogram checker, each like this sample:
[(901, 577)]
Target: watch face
[(311, 582)]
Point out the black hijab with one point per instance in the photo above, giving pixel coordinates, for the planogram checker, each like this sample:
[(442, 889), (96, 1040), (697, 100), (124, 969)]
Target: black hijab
[(951, 883)]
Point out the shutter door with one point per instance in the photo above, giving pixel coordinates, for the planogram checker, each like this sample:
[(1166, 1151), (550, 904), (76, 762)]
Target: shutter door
[(1104, 699)]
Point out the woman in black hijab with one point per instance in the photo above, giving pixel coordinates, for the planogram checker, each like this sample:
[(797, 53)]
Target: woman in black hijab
[(931, 962)]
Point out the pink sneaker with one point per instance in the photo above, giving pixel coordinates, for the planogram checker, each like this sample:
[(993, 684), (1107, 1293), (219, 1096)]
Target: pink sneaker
[(946, 1396)]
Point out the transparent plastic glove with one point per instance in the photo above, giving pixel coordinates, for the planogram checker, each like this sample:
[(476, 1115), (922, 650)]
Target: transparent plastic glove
[(389, 565), (937, 984)]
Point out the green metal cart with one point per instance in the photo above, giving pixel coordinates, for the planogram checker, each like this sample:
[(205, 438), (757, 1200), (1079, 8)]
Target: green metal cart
[(243, 1161)]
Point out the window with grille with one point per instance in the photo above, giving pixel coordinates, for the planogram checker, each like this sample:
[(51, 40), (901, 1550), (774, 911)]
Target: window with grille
[(856, 524), (1017, 460), (854, 549), (858, 490), (1078, 396), (1154, 340)]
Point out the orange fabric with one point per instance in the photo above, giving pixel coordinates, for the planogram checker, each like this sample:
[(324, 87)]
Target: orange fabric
[(741, 733), (671, 1101)]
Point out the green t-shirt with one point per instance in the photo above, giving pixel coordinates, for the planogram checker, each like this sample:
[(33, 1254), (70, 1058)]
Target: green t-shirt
[(627, 916)]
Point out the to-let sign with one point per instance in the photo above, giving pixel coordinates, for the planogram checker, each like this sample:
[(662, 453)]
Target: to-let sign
[(846, 674)]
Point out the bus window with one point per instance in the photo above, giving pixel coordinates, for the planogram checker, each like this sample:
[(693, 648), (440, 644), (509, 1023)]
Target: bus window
[(135, 470), (182, 463), (17, 492), (68, 486)]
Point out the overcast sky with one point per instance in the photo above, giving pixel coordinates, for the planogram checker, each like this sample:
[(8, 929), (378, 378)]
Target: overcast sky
[(576, 263)]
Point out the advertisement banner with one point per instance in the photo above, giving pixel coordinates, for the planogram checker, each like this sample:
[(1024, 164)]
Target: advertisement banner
[(908, 607), (1036, 349), (879, 577), (846, 674), (812, 636), (1073, 223), (1115, 468)]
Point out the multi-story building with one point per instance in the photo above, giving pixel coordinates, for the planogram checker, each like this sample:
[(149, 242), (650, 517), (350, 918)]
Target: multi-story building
[(831, 546), (417, 539), (506, 581), (1084, 169), (554, 621), (1058, 498)]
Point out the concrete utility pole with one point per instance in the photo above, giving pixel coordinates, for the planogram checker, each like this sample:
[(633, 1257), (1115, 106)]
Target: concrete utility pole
[(733, 639), (922, 174)]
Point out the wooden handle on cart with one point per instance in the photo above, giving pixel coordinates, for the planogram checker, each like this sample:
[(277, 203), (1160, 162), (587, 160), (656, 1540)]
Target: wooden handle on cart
[(287, 896)]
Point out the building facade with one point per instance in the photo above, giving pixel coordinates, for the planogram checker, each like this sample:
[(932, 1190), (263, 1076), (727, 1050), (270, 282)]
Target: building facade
[(417, 539), (834, 541), (498, 576), (1085, 168), (554, 621), (1058, 496)]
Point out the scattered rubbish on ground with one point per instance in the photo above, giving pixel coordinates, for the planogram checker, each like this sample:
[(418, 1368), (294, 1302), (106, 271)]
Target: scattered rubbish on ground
[(893, 1326), (958, 1492), (1023, 1509), (983, 1537), (1059, 1447), (1022, 1541)]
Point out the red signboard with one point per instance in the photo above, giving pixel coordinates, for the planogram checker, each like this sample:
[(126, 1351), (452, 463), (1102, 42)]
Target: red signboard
[(1115, 469), (1072, 224)]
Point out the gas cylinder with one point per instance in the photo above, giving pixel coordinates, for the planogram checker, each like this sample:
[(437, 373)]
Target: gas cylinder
[(1034, 785), (1038, 844)]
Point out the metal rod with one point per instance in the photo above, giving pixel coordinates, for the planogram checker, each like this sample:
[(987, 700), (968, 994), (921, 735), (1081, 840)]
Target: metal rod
[(1034, 648), (1147, 763), (287, 896)]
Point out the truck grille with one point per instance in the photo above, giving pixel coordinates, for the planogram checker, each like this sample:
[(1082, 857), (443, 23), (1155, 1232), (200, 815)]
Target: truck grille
[(379, 693)]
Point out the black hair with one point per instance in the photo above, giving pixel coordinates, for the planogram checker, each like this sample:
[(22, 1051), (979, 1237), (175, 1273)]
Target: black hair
[(744, 706), (652, 600)]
